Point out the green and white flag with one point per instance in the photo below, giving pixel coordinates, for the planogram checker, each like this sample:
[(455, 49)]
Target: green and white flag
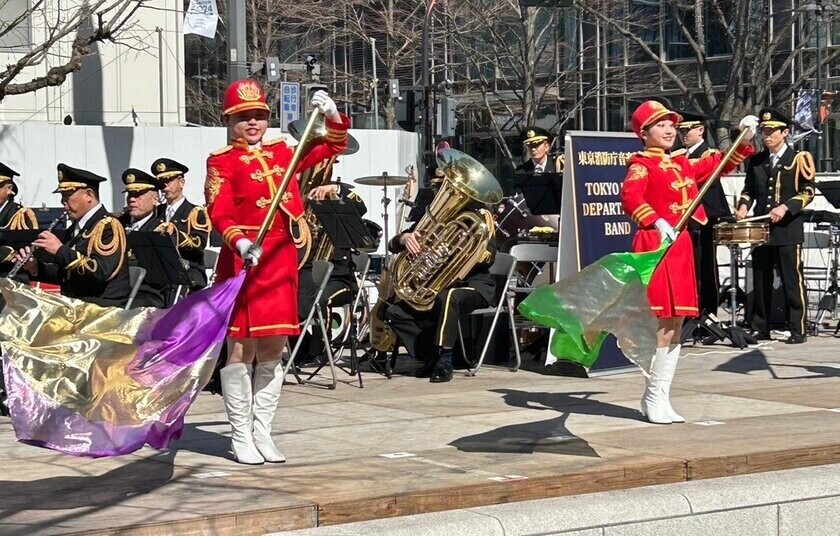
[(608, 296)]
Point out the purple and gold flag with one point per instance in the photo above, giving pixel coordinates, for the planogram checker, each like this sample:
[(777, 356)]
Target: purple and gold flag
[(100, 381)]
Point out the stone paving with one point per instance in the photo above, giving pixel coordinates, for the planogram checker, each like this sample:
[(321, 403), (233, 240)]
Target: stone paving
[(405, 446)]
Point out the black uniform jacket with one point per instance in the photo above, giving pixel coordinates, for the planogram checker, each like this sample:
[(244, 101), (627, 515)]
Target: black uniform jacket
[(91, 264), (789, 183), (191, 231)]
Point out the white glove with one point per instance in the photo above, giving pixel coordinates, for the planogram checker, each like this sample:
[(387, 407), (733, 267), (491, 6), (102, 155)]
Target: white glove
[(666, 232), (323, 102), (248, 251), (749, 123)]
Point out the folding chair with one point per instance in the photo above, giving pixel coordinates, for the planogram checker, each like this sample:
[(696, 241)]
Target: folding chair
[(321, 271), (211, 258), (537, 255), (503, 266), (136, 275)]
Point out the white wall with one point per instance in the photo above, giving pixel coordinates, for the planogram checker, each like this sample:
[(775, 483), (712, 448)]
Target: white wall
[(34, 151), (113, 79)]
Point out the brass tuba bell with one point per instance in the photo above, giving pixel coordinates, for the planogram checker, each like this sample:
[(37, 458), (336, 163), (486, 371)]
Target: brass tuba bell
[(453, 234)]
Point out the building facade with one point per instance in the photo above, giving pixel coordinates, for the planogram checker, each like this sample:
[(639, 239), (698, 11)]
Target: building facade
[(137, 80)]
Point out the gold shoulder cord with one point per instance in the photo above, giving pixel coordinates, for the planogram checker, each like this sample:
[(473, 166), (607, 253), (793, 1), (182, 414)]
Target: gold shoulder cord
[(804, 165), (166, 227), (194, 220), (115, 246), (23, 219), (303, 239)]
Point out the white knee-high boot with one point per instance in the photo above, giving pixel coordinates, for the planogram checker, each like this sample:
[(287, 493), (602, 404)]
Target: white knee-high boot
[(673, 360), (268, 382), (654, 401), (236, 390)]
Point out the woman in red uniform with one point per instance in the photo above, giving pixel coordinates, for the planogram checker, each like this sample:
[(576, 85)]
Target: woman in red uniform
[(656, 192), (241, 181)]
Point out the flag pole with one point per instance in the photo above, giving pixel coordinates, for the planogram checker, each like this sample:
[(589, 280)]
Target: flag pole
[(290, 172), (708, 184)]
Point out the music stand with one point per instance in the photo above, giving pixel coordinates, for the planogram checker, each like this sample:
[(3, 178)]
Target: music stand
[(157, 254), (346, 230), (542, 191), (24, 237), (343, 225)]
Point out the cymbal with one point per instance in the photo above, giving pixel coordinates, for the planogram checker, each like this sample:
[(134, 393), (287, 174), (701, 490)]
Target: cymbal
[(382, 180)]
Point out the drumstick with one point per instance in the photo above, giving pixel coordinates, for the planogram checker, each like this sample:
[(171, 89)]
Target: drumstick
[(754, 218)]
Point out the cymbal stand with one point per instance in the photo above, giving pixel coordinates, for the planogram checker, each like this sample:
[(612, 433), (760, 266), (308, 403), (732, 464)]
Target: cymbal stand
[(385, 202)]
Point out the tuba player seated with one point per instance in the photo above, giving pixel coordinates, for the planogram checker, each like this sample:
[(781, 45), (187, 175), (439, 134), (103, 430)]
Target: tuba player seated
[(430, 331)]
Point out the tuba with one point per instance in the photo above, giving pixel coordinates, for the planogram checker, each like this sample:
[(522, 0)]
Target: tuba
[(317, 245), (453, 236)]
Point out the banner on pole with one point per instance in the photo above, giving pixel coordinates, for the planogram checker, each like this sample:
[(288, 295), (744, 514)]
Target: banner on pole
[(201, 18)]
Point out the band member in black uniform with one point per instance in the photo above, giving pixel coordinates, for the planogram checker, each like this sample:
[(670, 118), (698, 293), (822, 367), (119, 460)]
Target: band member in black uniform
[(13, 216), (692, 131), (91, 265), (537, 141), (141, 191), (430, 336), (779, 182), (342, 286), (190, 225)]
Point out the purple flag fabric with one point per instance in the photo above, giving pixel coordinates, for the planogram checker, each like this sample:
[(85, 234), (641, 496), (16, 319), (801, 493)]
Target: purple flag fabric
[(99, 381)]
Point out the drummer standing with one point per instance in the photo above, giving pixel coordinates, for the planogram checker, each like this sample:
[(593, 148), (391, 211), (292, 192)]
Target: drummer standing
[(779, 182)]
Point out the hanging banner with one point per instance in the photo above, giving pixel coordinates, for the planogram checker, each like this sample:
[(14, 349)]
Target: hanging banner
[(201, 18), (593, 223)]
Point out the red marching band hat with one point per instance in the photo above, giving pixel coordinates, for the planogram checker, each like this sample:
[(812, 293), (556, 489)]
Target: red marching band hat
[(244, 95), (648, 113)]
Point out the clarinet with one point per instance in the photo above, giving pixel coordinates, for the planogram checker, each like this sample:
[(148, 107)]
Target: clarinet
[(19, 264)]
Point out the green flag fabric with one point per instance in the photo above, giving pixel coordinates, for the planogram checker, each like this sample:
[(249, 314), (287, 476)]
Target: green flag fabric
[(608, 296)]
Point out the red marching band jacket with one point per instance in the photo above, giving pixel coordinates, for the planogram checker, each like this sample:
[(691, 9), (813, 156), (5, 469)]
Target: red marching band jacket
[(241, 182), (661, 185)]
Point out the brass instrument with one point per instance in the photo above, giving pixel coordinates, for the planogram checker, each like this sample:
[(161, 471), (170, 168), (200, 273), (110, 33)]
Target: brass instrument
[(318, 245), (453, 237), (382, 337)]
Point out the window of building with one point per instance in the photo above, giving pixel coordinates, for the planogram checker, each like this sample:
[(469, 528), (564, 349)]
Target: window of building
[(678, 20), (21, 35), (644, 22), (719, 20)]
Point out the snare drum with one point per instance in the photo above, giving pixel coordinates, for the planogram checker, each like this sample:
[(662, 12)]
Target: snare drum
[(754, 232)]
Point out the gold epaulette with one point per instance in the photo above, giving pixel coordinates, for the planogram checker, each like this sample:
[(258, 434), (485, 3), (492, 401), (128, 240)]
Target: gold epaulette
[(166, 227), (803, 164), (194, 223), (275, 141), (23, 219), (116, 246), (708, 152), (679, 152), (223, 150)]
